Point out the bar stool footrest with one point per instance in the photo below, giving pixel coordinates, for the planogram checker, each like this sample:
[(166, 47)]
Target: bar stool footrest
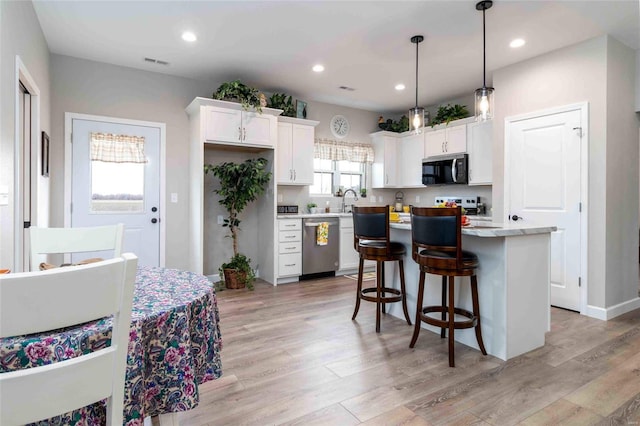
[(471, 322), (383, 298)]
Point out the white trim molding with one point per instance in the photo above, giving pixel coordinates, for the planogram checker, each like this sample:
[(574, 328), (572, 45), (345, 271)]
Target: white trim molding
[(23, 76), (606, 314), (68, 125)]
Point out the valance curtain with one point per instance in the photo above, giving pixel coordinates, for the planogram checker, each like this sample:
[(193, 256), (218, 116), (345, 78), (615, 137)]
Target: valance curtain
[(112, 148), (329, 149)]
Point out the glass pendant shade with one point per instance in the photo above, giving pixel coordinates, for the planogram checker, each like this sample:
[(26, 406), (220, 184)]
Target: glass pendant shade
[(484, 103), (484, 95), (416, 120)]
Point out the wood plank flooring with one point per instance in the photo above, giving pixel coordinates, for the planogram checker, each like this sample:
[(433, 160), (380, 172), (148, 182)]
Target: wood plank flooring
[(292, 356)]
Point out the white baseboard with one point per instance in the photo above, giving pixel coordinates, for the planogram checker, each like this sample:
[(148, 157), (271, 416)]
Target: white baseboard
[(611, 312)]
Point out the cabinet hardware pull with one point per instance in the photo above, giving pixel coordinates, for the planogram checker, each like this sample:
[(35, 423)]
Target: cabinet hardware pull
[(239, 133), (295, 176), (442, 147), (289, 264), (244, 134)]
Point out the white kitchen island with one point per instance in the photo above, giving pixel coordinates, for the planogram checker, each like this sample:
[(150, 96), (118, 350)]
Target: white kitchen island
[(513, 285)]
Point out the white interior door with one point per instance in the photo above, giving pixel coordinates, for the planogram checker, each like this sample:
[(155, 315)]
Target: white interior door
[(544, 189), (104, 193)]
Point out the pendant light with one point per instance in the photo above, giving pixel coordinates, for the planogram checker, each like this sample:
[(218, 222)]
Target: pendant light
[(484, 95), (416, 115)]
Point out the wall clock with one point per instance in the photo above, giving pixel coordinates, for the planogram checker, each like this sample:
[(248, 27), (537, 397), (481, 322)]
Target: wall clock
[(339, 126)]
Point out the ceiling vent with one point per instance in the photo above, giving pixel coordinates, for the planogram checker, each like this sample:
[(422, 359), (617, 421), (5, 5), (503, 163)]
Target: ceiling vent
[(156, 61), (347, 88)]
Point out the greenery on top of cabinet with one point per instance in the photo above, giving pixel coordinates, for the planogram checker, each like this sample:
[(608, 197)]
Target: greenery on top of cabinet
[(448, 113), (236, 91), (283, 102)]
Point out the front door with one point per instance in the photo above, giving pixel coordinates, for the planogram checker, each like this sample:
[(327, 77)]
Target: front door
[(107, 191), (544, 189)]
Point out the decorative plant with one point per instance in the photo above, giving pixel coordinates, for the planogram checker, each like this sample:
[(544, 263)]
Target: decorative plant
[(363, 192), (399, 126), (237, 91), (240, 184), (448, 113), (283, 102), (311, 206)]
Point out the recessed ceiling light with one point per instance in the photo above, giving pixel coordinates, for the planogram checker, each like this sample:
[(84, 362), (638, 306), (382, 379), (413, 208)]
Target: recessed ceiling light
[(518, 42), (400, 87), (189, 36), (318, 68)]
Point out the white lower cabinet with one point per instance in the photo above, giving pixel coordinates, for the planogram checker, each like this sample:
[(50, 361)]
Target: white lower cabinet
[(289, 247), (349, 257)]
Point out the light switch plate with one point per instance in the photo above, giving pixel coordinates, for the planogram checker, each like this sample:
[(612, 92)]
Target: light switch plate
[(220, 219), (373, 198), (417, 198), (174, 197)]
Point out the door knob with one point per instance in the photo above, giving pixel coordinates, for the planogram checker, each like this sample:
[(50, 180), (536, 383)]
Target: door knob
[(515, 217), (154, 209), (154, 220)]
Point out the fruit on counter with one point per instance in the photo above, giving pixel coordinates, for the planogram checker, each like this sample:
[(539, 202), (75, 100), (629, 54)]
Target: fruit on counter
[(466, 221)]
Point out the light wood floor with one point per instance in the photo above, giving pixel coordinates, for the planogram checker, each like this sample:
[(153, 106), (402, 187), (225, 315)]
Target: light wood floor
[(293, 356)]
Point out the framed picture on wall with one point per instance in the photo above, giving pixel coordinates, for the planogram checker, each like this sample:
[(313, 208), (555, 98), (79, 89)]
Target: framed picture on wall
[(301, 109), (44, 168)]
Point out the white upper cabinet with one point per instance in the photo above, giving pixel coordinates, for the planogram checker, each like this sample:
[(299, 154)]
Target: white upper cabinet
[(450, 140), (226, 123), (480, 148), (384, 167), (242, 127), (410, 160), (295, 151)]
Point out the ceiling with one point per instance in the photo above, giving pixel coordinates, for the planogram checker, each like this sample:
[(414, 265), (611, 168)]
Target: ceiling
[(365, 45)]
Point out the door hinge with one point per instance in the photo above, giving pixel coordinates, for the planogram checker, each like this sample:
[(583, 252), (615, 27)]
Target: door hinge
[(27, 225), (579, 281), (580, 207)]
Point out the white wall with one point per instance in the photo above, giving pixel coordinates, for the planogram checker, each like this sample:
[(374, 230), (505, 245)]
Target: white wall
[(637, 80), (20, 34), (571, 75), (622, 176), (95, 88)]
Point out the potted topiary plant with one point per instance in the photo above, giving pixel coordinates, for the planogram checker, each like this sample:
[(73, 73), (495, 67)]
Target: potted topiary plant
[(240, 184), (283, 102), (236, 91)]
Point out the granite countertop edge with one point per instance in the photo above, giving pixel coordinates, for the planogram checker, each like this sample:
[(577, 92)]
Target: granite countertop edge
[(495, 230)]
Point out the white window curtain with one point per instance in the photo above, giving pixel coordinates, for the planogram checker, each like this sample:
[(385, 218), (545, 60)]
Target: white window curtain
[(112, 148), (329, 149)]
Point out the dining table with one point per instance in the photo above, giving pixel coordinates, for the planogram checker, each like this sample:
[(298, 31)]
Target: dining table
[(174, 346)]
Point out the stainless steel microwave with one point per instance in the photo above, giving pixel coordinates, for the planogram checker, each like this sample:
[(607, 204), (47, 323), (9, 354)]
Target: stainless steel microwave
[(445, 169)]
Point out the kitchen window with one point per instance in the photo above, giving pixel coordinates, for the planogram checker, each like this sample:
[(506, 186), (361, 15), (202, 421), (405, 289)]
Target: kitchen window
[(329, 175)]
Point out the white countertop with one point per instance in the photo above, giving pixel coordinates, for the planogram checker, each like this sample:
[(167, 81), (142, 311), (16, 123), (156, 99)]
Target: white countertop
[(482, 229), (308, 215)]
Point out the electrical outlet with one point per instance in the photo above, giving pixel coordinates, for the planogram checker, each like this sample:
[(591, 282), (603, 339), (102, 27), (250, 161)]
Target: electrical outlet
[(280, 198), (417, 198), (174, 197), (373, 198), (220, 219)]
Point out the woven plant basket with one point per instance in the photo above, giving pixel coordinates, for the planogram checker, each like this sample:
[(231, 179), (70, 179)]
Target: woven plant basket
[(234, 279)]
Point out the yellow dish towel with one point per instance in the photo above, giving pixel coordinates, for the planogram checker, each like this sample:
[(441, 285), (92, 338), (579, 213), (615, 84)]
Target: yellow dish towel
[(322, 234)]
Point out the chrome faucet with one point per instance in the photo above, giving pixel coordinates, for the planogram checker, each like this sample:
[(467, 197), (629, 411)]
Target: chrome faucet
[(344, 195)]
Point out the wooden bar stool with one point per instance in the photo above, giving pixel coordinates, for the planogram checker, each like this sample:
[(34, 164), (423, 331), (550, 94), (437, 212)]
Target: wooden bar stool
[(436, 235), (371, 240)]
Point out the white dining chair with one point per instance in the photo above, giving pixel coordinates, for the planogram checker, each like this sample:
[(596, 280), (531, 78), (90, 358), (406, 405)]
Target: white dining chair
[(74, 240), (37, 302)]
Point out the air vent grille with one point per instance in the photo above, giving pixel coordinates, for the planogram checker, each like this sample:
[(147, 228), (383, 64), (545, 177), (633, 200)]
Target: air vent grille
[(156, 61)]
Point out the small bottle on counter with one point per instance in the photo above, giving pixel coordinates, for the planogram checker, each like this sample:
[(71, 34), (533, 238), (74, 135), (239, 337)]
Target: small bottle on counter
[(327, 209)]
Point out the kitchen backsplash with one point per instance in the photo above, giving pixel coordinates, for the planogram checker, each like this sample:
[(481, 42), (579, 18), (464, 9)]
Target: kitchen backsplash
[(300, 196)]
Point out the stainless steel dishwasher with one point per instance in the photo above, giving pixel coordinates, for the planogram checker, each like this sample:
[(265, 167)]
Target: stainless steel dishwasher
[(320, 258)]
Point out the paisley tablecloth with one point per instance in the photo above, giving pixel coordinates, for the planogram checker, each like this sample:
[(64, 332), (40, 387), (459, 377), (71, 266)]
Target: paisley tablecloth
[(174, 345)]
